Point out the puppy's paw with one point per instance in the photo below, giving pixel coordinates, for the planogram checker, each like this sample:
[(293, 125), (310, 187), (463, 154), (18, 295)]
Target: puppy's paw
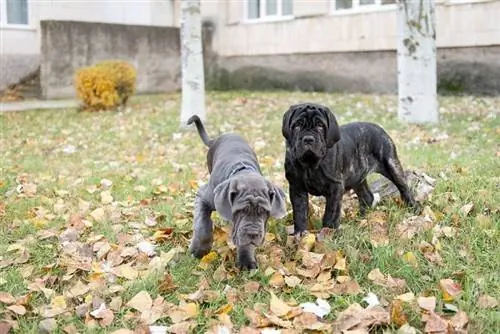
[(199, 252), (250, 265)]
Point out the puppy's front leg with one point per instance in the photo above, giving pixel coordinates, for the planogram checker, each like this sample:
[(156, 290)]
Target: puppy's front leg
[(202, 240), (333, 206), (246, 257), (299, 199)]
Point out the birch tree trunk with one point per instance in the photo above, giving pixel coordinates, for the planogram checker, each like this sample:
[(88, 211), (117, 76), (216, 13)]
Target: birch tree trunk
[(193, 77), (417, 76)]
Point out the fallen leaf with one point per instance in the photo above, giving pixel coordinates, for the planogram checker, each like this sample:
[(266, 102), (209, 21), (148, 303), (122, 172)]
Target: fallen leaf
[(413, 225), (184, 327), (125, 271), (398, 315), (466, 209), (106, 197), (251, 287), (167, 284), (277, 280), (141, 302), (183, 312), (98, 215), (407, 329), (307, 242), (78, 289), (207, 260), (450, 289), (256, 319), (356, 317), (377, 277), (427, 303), (17, 309), (459, 321), (293, 281), (486, 301), (371, 299), (7, 298), (411, 259), (435, 324), (309, 321), (278, 306), (47, 325), (407, 297)]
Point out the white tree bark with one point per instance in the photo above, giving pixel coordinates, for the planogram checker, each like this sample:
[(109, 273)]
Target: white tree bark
[(417, 76), (193, 77)]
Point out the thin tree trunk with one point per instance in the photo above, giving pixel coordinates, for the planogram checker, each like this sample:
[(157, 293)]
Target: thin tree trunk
[(417, 76), (193, 78)]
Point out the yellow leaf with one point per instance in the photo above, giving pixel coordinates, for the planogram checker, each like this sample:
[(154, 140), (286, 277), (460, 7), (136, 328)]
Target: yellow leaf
[(276, 280), (307, 242), (269, 237), (141, 302), (450, 289), (341, 264), (207, 259), (410, 258), (278, 306), (59, 302), (225, 309)]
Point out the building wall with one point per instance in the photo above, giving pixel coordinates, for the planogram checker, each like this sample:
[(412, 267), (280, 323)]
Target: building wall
[(317, 50), (20, 46), (69, 45)]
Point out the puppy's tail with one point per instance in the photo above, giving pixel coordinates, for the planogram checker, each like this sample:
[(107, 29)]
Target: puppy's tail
[(201, 129)]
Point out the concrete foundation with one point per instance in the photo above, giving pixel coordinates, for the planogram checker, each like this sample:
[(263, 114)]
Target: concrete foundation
[(69, 45)]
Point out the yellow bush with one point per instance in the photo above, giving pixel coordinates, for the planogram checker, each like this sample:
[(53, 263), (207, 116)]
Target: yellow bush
[(106, 85)]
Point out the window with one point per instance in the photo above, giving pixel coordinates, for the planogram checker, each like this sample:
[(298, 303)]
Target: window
[(14, 12), (357, 5), (268, 9)]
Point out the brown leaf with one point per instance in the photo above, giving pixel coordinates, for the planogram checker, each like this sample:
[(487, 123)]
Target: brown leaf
[(427, 303), (141, 302), (256, 319), (167, 285), (413, 225), (7, 298), (277, 280), (356, 317), (78, 289), (398, 315), (450, 289), (17, 309), (5, 327), (309, 321), (251, 287), (184, 312), (377, 277), (278, 306), (293, 281), (435, 324), (486, 301), (466, 209), (459, 321), (48, 325), (184, 327)]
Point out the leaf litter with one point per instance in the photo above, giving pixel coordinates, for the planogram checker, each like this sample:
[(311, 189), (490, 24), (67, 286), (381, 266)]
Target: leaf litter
[(95, 269)]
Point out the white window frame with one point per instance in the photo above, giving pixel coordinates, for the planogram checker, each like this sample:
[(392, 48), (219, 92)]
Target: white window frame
[(3, 17), (358, 8), (262, 13)]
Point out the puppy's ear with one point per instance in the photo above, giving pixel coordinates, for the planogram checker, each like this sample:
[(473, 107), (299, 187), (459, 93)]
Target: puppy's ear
[(333, 132), (224, 195), (286, 131), (278, 201)]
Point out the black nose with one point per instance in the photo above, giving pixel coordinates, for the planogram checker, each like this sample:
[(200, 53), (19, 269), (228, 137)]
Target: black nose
[(253, 236), (308, 139)]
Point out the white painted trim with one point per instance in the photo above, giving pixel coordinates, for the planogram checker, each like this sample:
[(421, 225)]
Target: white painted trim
[(265, 18), (9, 26), (357, 8)]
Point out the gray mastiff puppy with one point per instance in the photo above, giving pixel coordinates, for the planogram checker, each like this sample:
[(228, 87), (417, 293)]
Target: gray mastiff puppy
[(238, 192), (323, 159)]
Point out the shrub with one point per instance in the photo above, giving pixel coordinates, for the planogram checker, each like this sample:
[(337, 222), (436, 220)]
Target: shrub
[(105, 85)]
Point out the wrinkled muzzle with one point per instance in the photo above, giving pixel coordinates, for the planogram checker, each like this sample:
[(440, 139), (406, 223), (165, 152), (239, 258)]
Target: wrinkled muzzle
[(309, 147), (249, 233)]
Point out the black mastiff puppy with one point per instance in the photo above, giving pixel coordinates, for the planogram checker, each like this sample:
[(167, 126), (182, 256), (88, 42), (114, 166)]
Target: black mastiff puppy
[(238, 192), (324, 159)]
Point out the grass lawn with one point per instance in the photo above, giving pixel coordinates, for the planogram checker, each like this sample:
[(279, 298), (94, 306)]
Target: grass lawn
[(86, 196)]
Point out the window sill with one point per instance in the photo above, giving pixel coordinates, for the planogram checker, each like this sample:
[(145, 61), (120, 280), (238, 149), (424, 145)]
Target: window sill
[(26, 27), (269, 19), (360, 10)]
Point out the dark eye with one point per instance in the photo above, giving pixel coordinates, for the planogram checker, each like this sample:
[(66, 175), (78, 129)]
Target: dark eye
[(299, 123)]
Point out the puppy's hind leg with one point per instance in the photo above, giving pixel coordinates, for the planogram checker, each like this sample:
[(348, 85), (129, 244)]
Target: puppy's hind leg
[(365, 197), (202, 240), (394, 172)]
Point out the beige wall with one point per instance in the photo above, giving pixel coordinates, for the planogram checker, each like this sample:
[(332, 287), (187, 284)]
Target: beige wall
[(137, 12), (315, 30)]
